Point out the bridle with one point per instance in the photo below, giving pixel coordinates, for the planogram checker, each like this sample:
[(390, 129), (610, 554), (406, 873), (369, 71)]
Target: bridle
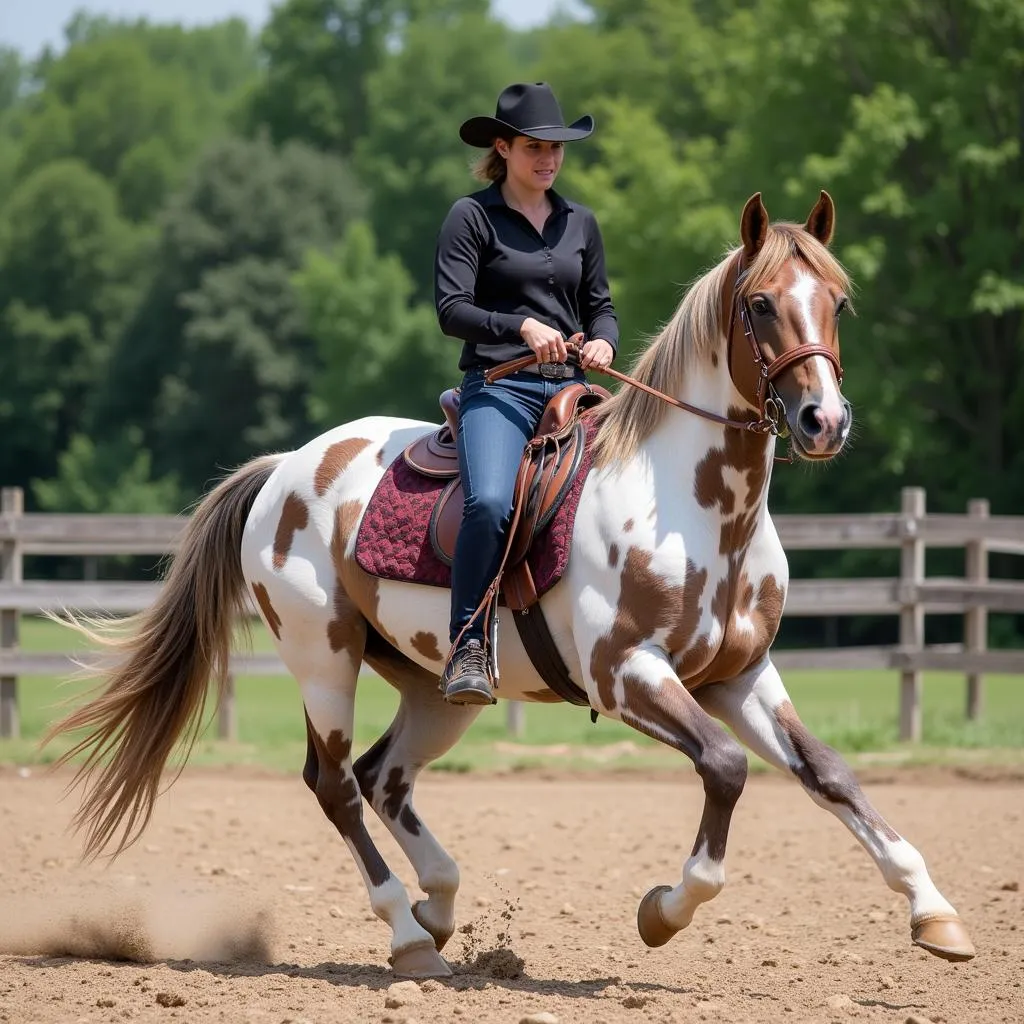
[(771, 409), (765, 397)]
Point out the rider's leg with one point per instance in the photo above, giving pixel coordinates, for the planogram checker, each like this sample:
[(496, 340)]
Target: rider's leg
[(495, 422)]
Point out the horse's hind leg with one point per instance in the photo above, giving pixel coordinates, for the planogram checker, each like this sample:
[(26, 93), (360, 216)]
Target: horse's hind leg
[(328, 682), (424, 728), (758, 709)]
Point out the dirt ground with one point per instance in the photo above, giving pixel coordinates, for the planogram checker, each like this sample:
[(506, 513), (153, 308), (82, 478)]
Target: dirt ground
[(243, 905)]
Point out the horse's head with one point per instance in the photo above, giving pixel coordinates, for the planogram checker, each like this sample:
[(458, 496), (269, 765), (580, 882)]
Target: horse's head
[(785, 294)]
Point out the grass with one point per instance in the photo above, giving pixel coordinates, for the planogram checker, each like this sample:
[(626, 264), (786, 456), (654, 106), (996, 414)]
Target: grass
[(854, 711)]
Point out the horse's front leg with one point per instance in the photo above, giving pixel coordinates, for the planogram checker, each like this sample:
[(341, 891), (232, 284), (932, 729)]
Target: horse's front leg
[(648, 696), (758, 709)]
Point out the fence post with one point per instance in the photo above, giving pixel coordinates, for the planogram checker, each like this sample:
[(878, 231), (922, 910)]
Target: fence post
[(976, 617), (516, 720), (12, 505), (227, 712), (912, 613)]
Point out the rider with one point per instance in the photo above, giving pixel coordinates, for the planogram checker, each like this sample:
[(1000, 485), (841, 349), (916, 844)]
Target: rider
[(518, 269)]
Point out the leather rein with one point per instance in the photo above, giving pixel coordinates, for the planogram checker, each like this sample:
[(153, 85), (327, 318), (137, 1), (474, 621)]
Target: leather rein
[(771, 409)]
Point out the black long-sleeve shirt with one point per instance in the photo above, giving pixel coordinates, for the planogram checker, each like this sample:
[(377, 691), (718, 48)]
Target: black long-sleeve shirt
[(492, 270)]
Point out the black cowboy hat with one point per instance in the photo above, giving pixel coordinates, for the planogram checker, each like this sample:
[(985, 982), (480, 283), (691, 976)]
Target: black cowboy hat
[(525, 109)]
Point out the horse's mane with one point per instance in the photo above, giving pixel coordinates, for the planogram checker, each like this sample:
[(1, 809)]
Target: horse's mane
[(694, 332)]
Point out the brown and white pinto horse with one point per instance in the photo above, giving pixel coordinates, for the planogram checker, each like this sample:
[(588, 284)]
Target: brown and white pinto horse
[(665, 614)]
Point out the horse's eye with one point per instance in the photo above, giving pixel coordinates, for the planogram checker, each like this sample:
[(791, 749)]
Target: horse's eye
[(761, 307), (841, 305)]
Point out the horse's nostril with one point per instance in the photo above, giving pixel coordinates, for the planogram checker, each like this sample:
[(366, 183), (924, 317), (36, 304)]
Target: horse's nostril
[(809, 421)]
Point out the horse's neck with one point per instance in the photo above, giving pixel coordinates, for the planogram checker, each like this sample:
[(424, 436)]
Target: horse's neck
[(703, 458)]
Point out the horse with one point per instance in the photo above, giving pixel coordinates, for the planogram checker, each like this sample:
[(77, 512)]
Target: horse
[(666, 613)]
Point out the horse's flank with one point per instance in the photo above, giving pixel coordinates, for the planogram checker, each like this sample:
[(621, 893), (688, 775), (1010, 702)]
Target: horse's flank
[(695, 334)]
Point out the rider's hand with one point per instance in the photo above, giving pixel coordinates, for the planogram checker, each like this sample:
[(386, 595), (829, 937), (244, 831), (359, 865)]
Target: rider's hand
[(544, 342), (597, 353)]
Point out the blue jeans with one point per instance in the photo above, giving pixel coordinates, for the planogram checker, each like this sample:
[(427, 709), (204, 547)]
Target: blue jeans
[(495, 422)]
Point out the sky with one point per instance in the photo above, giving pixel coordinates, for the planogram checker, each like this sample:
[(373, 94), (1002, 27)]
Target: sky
[(30, 24)]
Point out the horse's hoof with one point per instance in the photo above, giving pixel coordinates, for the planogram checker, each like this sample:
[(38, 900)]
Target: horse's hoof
[(419, 960), (945, 936), (649, 922), (441, 936)]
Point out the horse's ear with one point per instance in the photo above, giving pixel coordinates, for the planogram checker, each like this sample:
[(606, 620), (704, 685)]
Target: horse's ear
[(821, 221), (753, 226)]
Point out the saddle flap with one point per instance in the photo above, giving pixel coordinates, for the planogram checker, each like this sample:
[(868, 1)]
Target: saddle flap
[(567, 404), (549, 476)]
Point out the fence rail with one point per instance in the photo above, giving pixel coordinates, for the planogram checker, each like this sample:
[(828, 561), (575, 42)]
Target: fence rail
[(911, 595)]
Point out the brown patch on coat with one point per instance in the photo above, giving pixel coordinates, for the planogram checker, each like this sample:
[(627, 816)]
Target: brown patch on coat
[(627, 526), (735, 597), (396, 802), (347, 629), (823, 771), (426, 644), (335, 462), (544, 696), (647, 603), (613, 556), (741, 644), (273, 620), (380, 455), (294, 517), (338, 795)]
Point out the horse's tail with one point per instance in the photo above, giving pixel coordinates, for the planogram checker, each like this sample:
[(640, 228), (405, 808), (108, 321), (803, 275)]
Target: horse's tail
[(165, 658)]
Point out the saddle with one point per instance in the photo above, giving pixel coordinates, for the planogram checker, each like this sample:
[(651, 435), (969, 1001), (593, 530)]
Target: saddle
[(548, 467)]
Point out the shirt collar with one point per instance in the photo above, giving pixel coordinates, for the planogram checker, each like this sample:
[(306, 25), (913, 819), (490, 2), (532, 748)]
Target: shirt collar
[(492, 197)]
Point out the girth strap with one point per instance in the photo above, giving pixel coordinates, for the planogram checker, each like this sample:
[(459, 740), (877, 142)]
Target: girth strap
[(540, 646)]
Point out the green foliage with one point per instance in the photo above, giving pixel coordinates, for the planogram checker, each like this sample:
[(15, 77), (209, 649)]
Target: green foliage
[(448, 68), (134, 103), (68, 279), (217, 363), (12, 77), (320, 56), (641, 171), (114, 477), (379, 352)]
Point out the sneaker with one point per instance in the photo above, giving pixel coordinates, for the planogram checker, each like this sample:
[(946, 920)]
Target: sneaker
[(465, 678)]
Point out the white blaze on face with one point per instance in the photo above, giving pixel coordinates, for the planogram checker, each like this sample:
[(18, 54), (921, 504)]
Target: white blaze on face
[(804, 293)]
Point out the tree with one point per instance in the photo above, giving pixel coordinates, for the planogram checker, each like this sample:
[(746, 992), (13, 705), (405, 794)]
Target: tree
[(449, 67), (134, 102), (69, 274), (114, 477), (380, 352), (217, 363), (910, 114), (320, 56), (12, 77), (640, 174)]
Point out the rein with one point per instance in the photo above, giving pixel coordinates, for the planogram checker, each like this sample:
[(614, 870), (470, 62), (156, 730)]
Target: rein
[(772, 419), (761, 426)]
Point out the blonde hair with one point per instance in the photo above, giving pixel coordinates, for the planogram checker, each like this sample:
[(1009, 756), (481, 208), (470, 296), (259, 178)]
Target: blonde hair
[(490, 167), (694, 332)]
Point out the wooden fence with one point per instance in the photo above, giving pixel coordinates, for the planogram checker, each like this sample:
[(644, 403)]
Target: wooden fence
[(910, 596)]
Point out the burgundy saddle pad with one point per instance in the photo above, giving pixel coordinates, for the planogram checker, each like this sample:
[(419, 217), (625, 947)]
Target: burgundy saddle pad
[(393, 542)]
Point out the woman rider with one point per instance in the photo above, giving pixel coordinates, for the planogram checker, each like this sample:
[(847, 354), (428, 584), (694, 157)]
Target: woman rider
[(518, 269)]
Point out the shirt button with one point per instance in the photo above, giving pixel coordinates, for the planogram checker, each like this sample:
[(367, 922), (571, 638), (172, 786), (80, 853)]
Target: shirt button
[(551, 280)]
